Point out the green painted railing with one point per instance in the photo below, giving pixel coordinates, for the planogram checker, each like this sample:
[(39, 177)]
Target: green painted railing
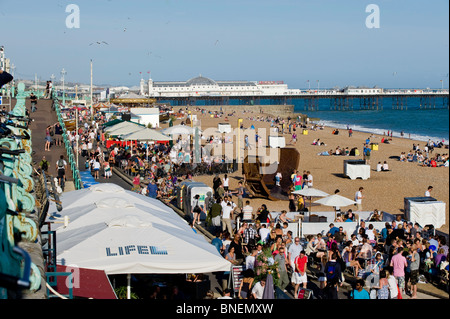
[(17, 203), (69, 149), (52, 280)]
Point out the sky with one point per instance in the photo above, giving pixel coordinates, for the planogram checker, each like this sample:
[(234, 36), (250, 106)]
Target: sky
[(325, 42)]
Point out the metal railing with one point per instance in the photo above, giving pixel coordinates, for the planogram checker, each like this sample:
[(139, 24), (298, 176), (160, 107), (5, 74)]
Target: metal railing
[(69, 149)]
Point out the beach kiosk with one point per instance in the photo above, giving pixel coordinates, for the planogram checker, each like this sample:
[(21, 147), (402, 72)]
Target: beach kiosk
[(356, 168), (224, 128), (277, 141), (425, 211), (186, 193)]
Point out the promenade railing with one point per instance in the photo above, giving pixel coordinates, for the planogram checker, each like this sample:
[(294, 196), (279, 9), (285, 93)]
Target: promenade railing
[(68, 145)]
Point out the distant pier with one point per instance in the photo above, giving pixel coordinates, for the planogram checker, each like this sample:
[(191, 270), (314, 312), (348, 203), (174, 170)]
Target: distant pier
[(399, 99)]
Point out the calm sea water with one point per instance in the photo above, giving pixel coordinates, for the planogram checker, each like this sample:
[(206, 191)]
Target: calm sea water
[(416, 123), (420, 124)]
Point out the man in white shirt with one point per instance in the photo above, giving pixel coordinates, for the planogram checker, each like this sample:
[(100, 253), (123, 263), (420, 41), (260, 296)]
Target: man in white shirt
[(294, 250), (428, 192), (310, 179), (258, 289), (250, 260), (358, 198), (227, 216), (264, 233)]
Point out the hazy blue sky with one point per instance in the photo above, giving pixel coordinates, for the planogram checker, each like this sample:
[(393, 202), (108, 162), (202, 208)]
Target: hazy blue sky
[(290, 40)]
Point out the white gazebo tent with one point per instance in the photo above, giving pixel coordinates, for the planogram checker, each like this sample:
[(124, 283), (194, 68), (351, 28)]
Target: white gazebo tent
[(106, 230), (124, 128)]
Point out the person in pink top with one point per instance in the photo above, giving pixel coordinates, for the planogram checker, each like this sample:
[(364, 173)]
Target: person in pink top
[(398, 262)]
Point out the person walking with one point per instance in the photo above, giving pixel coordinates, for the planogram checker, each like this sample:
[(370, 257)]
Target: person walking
[(33, 99), (48, 139), (227, 216), (61, 166), (282, 260), (197, 209), (414, 268), (333, 276), (299, 276), (358, 198), (399, 263)]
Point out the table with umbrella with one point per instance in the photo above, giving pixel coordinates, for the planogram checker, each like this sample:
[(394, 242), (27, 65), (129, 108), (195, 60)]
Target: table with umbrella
[(335, 201), (310, 192)]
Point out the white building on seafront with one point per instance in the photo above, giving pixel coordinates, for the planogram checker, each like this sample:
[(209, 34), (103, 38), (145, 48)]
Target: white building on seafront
[(203, 86)]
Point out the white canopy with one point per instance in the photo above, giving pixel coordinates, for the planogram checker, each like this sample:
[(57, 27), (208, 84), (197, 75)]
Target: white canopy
[(124, 128), (310, 192), (122, 232), (179, 130), (145, 134), (113, 207), (118, 125), (95, 193), (335, 200), (135, 245)]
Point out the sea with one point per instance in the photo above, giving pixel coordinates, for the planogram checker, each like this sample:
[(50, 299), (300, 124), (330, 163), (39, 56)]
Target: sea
[(415, 122)]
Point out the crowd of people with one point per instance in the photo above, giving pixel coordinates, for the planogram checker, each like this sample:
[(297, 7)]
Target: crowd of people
[(425, 156), (385, 265)]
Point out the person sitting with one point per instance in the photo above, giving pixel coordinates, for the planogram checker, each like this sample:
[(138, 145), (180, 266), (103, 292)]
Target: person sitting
[(385, 167), (433, 163), (379, 167)]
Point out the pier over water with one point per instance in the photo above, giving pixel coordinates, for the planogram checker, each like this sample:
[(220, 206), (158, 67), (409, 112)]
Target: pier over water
[(338, 101)]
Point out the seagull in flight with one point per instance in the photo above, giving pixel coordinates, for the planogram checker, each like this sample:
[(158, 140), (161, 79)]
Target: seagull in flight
[(98, 42)]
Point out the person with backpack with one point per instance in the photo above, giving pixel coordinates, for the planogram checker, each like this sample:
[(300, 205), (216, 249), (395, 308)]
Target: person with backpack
[(61, 166), (44, 164), (333, 274)]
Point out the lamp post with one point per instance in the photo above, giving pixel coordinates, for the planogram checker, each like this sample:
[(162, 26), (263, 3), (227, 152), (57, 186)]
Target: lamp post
[(92, 113), (13, 86), (51, 90), (63, 74)]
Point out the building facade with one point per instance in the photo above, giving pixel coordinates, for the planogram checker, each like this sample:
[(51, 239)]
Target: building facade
[(203, 86)]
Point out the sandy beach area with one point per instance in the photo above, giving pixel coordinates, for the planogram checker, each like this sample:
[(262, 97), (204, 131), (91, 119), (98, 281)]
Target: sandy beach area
[(384, 191)]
